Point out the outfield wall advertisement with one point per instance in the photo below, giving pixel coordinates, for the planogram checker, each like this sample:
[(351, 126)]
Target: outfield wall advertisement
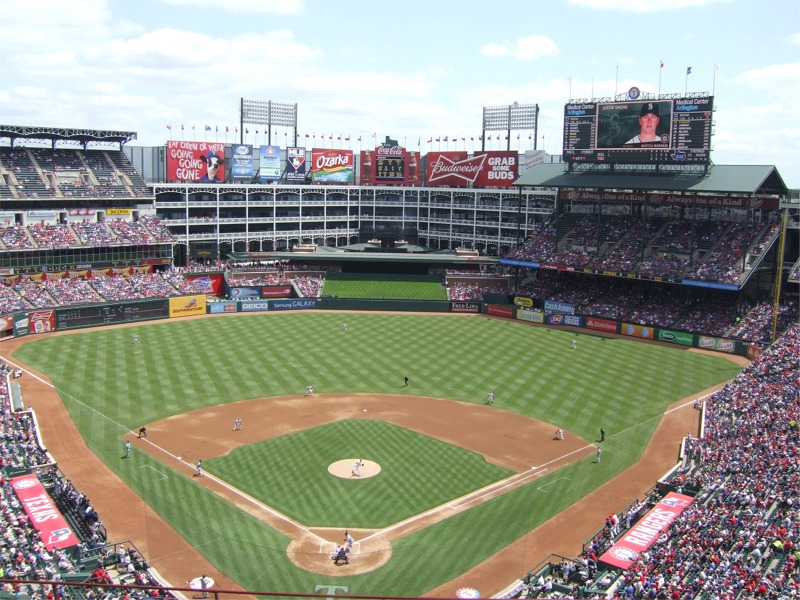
[(218, 308), (295, 304), (187, 305)]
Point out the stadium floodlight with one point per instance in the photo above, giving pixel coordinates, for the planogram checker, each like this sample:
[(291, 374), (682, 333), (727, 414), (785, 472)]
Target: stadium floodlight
[(269, 113), (507, 118)]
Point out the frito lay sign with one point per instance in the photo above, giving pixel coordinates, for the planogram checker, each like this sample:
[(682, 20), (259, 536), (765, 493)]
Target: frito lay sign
[(484, 169)]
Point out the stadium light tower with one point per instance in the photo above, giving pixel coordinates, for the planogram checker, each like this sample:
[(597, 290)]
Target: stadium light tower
[(267, 113), (506, 118)]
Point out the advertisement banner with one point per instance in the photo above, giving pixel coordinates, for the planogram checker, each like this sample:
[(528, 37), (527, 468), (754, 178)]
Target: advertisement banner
[(22, 324), (277, 291), (295, 165), (269, 170), (560, 319), (217, 308), (554, 306), (42, 321), (296, 304), (242, 162), (465, 307), (523, 301), (42, 513), (389, 165), (675, 337), (332, 166), (485, 169), (245, 292), (500, 311), (118, 211), (601, 325), (641, 536), (254, 305), (500, 169), (202, 162), (640, 331), (6, 323), (210, 285), (187, 305), (533, 316), (714, 343), (453, 168)]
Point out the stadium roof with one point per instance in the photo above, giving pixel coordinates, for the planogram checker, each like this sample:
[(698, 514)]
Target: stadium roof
[(731, 179), (65, 134)]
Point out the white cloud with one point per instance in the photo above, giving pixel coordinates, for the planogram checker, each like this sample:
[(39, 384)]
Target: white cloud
[(525, 48)]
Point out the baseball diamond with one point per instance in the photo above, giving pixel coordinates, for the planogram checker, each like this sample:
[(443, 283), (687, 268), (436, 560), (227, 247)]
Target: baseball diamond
[(469, 529)]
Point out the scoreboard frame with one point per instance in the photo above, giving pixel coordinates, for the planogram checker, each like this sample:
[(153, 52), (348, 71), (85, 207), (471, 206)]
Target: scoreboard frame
[(598, 132)]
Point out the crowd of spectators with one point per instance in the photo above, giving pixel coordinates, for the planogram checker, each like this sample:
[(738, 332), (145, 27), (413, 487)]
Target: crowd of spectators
[(661, 246), (708, 312), (739, 537), (23, 554), (25, 293), (95, 234)]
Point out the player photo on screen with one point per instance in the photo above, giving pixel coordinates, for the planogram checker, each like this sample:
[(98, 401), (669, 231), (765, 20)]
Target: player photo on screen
[(634, 125)]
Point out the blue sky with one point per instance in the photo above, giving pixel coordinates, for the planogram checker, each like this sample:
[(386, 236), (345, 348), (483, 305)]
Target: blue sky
[(408, 69)]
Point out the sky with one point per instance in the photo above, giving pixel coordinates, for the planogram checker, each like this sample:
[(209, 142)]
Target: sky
[(411, 70)]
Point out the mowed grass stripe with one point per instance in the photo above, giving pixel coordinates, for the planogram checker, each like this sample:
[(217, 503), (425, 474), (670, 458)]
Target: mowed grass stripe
[(537, 375), (418, 473)]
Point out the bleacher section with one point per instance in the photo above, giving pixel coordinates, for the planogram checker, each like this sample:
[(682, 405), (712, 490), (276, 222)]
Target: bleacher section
[(69, 173)]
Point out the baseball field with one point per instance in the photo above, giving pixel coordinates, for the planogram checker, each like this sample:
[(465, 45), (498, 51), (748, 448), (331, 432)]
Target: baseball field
[(458, 481)]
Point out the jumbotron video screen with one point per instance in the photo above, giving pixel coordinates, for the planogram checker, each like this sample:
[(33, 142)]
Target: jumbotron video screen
[(650, 131)]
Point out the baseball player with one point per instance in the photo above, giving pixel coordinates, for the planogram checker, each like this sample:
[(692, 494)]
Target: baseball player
[(490, 397), (356, 472)]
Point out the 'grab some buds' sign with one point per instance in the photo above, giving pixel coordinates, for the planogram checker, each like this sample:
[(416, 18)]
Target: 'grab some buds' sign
[(484, 169)]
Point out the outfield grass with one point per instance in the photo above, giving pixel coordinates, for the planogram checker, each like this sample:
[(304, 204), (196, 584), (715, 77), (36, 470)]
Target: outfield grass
[(384, 289), (111, 386)]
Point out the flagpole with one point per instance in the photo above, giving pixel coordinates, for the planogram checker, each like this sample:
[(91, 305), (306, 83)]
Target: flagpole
[(714, 80), (616, 82), (660, 68), (686, 86)]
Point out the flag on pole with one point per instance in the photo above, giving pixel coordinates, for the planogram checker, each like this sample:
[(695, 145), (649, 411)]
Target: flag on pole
[(359, 138), (226, 129), (375, 135), (169, 126), (181, 126), (216, 128), (347, 138), (688, 70), (662, 64), (430, 140)]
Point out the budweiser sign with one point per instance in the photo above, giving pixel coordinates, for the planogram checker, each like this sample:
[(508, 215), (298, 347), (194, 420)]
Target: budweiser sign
[(453, 168)]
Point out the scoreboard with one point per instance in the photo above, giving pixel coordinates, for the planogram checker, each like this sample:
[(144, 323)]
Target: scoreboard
[(390, 168), (608, 132), (106, 314)]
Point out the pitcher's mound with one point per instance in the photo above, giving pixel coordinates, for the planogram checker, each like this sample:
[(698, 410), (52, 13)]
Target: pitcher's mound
[(346, 469)]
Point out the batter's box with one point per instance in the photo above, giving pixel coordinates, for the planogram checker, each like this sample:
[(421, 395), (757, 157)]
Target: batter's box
[(163, 475), (541, 488)]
